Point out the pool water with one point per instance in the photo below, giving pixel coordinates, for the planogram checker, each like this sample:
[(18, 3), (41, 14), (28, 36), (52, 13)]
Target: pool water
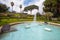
[(35, 32)]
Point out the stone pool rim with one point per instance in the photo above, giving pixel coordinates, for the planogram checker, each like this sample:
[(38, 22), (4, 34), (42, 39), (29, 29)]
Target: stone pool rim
[(15, 23)]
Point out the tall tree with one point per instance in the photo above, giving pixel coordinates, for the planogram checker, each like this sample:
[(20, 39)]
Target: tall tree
[(31, 7), (58, 7), (12, 4), (3, 8), (20, 7), (52, 6)]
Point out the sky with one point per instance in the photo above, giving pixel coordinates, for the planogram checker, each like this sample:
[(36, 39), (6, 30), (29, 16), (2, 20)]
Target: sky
[(24, 3)]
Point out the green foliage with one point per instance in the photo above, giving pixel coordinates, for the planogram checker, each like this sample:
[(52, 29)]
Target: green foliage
[(3, 8), (48, 15), (17, 17), (12, 3), (20, 6), (48, 3), (52, 6), (31, 7)]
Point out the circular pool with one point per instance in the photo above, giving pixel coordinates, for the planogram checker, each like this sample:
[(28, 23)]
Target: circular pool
[(34, 32)]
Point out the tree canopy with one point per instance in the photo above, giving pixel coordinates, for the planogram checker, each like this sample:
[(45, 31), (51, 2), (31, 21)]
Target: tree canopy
[(12, 3), (31, 7), (3, 8), (51, 6)]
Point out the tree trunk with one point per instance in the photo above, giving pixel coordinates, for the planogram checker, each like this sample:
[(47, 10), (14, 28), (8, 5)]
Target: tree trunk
[(47, 18), (20, 10), (12, 8), (30, 11)]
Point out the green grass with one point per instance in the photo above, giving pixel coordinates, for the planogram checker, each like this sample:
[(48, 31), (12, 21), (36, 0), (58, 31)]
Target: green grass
[(11, 20), (6, 19)]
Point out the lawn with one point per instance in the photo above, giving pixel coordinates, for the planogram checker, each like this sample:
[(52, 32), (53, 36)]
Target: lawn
[(20, 18)]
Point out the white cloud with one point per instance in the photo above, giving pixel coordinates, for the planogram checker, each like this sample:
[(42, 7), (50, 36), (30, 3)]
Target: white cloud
[(18, 2)]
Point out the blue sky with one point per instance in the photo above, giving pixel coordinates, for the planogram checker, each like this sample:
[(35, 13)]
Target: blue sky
[(24, 4)]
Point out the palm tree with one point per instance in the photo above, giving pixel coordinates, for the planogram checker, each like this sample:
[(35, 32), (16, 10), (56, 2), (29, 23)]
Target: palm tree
[(12, 4), (20, 7)]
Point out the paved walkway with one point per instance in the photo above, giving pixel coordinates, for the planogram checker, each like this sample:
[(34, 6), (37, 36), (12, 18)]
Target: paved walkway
[(54, 24), (0, 29)]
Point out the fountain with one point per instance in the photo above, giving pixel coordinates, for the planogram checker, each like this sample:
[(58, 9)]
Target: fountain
[(34, 22), (34, 18), (33, 32), (47, 29), (27, 26)]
